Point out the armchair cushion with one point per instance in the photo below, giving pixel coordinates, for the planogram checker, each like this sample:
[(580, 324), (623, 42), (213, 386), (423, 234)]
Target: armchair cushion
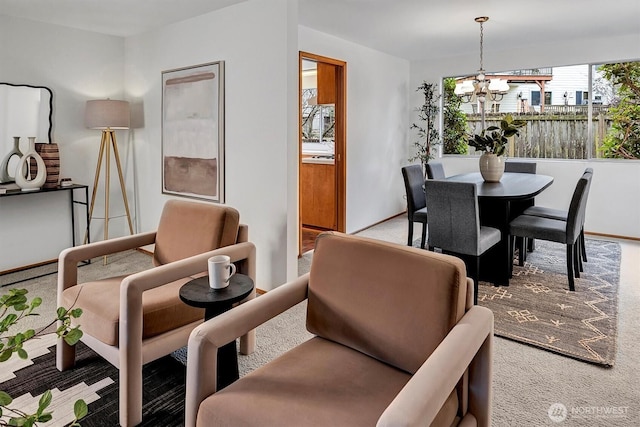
[(317, 383), (163, 310), (188, 229), (354, 297)]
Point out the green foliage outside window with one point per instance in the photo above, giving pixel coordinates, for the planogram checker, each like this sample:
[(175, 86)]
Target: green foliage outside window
[(454, 134), (623, 138)]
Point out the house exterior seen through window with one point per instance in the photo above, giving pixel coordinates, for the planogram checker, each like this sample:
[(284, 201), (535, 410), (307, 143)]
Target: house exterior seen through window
[(566, 123)]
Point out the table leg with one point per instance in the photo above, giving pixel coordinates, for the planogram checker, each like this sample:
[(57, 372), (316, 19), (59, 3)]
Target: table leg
[(496, 263), (227, 354)]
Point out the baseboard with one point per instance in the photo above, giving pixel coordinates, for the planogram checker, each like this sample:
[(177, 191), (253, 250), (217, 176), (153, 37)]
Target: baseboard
[(612, 236), (379, 222)]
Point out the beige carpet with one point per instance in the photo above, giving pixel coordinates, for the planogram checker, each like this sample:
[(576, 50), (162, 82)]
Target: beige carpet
[(538, 309)]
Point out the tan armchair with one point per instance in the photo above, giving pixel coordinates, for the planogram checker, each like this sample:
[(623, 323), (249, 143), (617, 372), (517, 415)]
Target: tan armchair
[(133, 320), (397, 342)]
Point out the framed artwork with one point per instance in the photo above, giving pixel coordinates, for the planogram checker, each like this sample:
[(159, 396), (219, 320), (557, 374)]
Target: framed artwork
[(193, 131)]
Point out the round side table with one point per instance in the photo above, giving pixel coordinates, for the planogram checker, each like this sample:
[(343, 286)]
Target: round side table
[(197, 293)]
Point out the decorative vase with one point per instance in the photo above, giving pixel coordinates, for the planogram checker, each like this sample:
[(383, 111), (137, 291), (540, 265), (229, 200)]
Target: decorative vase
[(51, 157), (24, 179), (4, 166), (491, 167)]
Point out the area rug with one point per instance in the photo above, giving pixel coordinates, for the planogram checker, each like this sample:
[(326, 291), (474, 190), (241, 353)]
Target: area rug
[(538, 309), (96, 381)]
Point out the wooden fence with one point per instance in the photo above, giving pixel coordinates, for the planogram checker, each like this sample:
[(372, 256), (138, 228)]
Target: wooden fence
[(548, 136)]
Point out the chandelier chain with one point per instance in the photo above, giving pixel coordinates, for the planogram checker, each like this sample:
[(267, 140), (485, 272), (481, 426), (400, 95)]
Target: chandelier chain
[(481, 46)]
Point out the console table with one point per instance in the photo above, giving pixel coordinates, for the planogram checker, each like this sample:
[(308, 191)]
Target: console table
[(71, 191)]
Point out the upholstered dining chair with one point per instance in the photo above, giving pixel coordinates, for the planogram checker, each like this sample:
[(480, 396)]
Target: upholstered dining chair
[(561, 215), (555, 230), (397, 342), (455, 224), (435, 170), (133, 320), (520, 166), (416, 203)]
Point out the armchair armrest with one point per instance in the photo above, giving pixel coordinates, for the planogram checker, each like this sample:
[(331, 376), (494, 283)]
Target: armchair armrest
[(205, 340), (69, 258), (133, 286), (422, 397)]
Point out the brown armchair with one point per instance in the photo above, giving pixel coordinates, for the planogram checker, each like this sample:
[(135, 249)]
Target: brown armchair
[(133, 320), (397, 342)]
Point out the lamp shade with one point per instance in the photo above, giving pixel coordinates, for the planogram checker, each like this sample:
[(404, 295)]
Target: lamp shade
[(107, 113)]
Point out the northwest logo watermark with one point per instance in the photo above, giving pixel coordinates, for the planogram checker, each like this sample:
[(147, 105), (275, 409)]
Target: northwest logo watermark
[(558, 412)]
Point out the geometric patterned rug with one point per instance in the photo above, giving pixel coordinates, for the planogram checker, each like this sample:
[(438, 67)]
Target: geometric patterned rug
[(538, 309), (96, 381)]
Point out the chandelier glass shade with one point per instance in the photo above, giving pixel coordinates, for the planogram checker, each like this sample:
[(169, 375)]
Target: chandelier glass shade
[(480, 88)]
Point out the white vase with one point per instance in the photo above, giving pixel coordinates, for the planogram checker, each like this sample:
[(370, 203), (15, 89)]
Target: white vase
[(23, 173), (491, 167), (4, 165)]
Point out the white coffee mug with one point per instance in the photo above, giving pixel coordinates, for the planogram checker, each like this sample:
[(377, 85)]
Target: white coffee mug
[(220, 271)]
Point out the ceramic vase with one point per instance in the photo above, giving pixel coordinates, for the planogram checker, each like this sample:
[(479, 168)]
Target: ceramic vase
[(491, 167), (4, 166), (24, 180), (51, 157)]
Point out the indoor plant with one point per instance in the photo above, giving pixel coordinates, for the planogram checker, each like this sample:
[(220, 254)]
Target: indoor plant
[(492, 141), (14, 306), (427, 132)]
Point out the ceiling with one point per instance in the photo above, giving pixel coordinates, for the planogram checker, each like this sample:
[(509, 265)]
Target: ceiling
[(411, 29)]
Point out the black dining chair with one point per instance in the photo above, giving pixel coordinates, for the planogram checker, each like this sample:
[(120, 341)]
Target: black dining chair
[(455, 227), (416, 202), (435, 170), (561, 215), (519, 207), (519, 166), (554, 230)]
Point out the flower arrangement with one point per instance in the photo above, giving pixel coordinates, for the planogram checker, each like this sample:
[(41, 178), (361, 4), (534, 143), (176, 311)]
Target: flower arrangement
[(494, 139)]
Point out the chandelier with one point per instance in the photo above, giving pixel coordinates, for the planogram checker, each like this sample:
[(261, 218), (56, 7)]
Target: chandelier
[(480, 88)]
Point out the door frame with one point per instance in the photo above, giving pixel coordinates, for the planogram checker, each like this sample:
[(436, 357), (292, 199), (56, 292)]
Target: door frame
[(340, 138)]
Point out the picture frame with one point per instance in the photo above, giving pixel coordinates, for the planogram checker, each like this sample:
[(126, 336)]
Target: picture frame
[(193, 132)]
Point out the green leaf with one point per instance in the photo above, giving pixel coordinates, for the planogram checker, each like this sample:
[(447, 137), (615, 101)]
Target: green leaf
[(5, 399), (22, 353), (61, 311), (45, 400), (73, 336), (76, 312), (45, 417), (5, 355), (80, 409)]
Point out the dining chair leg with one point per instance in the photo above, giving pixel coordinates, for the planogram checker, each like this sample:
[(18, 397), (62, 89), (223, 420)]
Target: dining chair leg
[(521, 255), (582, 245), (424, 235), (570, 266), (577, 260), (410, 238), (531, 244)]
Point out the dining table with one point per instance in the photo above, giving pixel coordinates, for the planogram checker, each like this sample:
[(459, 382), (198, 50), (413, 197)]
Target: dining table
[(499, 203)]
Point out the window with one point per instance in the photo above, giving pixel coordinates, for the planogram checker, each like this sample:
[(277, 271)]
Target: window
[(567, 123)]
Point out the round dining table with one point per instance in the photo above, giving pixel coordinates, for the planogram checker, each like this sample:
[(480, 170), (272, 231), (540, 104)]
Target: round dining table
[(497, 209)]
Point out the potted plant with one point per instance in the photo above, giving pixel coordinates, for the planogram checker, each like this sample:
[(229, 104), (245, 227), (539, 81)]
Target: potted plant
[(492, 141), (427, 132)]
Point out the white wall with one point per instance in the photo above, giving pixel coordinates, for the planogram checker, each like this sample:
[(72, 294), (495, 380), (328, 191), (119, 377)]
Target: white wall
[(614, 198), (258, 42), (76, 65), (377, 126)]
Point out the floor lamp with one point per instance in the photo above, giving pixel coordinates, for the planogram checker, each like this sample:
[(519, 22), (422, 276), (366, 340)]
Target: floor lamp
[(107, 115)]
